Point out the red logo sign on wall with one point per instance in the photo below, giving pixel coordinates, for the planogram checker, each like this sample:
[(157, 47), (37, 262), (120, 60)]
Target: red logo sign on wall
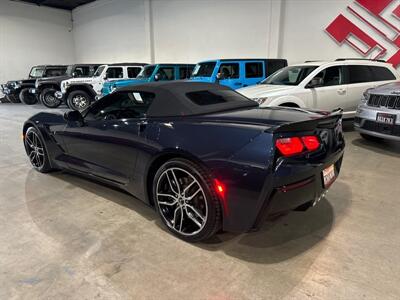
[(371, 25)]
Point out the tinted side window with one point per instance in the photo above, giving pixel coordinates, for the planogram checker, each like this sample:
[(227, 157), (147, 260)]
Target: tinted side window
[(381, 73), (82, 71), (123, 105), (331, 76), (359, 74), (275, 65), (254, 70), (113, 73), (133, 72), (229, 71), (166, 73), (185, 72), (55, 72)]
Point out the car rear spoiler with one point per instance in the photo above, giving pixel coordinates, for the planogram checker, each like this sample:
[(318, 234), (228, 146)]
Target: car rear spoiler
[(325, 120)]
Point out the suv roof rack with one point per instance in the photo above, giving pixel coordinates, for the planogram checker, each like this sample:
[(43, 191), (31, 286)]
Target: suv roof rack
[(378, 60)]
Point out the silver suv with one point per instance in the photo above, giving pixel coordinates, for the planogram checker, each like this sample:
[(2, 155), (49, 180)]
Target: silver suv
[(378, 115)]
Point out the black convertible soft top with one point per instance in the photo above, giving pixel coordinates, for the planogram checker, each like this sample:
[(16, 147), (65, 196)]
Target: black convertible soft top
[(187, 98)]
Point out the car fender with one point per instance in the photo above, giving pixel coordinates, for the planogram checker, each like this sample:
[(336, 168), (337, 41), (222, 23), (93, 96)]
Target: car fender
[(81, 86), (287, 99)]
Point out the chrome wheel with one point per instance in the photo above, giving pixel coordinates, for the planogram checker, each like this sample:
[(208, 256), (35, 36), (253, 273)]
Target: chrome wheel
[(181, 201), (80, 102), (35, 149)]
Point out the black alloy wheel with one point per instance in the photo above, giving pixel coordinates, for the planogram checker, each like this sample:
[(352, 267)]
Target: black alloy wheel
[(49, 99), (186, 200), (27, 98), (36, 150)]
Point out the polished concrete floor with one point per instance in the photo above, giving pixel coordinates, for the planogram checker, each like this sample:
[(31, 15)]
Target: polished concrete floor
[(63, 237)]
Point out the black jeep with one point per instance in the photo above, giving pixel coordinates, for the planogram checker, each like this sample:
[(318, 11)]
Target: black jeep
[(18, 90), (46, 87)]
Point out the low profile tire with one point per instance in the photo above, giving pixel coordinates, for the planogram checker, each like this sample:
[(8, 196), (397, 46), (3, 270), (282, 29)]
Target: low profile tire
[(13, 99), (78, 100), (49, 99), (185, 199), (371, 138), (27, 98), (36, 151)]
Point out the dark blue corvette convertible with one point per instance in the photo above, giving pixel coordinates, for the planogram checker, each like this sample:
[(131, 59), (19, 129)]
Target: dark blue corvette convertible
[(205, 157)]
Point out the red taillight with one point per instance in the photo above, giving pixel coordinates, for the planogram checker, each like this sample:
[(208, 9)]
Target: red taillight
[(290, 146), (295, 145), (311, 142)]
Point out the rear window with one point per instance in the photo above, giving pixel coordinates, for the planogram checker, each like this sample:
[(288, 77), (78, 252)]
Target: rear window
[(381, 73), (204, 98), (359, 74), (254, 70)]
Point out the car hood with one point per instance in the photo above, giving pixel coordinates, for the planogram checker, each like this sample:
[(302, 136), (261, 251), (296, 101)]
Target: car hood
[(201, 79), (128, 82), (55, 78), (388, 88), (265, 90)]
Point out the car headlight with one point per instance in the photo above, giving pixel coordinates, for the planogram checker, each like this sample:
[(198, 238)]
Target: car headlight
[(113, 88), (260, 100), (365, 97)]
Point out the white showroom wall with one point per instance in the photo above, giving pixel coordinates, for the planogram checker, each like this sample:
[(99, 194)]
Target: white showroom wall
[(32, 35), (303, 35), (175, 30), (111, 31)]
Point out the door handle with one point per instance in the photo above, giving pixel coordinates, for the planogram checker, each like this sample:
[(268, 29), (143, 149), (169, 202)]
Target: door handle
[(341, 91)]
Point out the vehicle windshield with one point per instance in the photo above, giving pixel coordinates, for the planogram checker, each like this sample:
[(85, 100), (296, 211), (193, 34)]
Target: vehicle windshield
[(289, 75), (146, 72), (204, 69), (99, 71), (36, 72)]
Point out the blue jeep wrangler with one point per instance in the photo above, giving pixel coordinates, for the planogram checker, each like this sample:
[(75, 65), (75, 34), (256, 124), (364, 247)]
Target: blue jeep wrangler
[(236, 73), (157, 72)]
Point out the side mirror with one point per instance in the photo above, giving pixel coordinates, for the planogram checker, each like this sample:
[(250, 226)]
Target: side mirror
[(74, 116), (74, 74), (157, 77), (315, 82), (220, 76)]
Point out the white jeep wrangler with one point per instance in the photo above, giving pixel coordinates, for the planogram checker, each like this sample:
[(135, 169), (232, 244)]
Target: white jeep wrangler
[(78, 93)]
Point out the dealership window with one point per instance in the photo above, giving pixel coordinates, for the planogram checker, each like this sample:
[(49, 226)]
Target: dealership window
[(331, 76), (133, 72), (229, 70), (113, 73), (121, 105), (254, 70), (359, 74), (166, 73), (381, 73), (185, 72)]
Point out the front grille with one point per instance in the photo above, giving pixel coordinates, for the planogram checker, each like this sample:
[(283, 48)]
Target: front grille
[(381, 128), (389, 101)]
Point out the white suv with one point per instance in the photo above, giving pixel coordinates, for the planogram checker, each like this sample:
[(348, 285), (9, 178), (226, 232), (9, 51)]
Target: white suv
[(322, 85), (80, 92)]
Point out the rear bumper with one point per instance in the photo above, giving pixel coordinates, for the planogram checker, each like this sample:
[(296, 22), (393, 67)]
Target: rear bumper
[(303, 187), (365, 122)]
